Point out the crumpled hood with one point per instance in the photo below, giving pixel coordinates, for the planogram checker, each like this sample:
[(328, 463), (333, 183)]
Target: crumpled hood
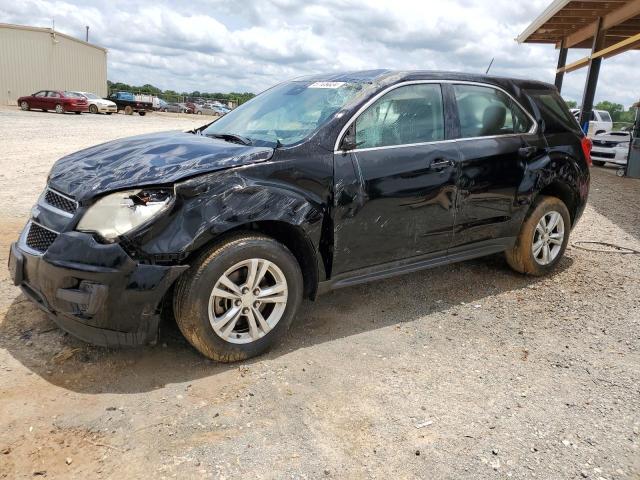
[(151, 159)]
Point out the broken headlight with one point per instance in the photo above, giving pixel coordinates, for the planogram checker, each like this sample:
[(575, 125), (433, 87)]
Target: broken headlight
[(119, 213)]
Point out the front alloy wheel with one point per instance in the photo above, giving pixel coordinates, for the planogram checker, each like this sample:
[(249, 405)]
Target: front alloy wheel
[(24, 106), (239, 297), (248, 301)]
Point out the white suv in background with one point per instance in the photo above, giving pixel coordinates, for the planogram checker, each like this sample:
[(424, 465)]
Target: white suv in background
[(599, 122), (612, 147)]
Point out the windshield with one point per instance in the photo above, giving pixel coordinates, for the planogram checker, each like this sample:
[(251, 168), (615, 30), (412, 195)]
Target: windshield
[(286, 113)]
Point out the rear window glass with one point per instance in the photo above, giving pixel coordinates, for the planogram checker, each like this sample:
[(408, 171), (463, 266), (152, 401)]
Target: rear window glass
[(72, 95), (555, 113)]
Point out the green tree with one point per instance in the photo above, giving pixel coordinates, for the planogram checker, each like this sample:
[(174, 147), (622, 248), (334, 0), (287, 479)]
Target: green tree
[(571, 103), (614, 109)]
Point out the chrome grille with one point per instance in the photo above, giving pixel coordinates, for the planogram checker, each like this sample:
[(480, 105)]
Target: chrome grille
[(40, 238), (60, 202)]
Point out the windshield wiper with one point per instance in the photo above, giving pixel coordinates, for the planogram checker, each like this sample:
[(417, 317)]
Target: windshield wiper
[(231, 137)]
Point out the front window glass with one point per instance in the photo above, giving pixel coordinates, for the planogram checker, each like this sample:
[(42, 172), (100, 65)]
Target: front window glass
[(41, 94), (486, 111), (405, 115), (287, 113)]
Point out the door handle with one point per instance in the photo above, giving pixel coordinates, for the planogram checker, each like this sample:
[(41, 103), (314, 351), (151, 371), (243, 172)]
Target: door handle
[(440, 164), (527, 152)]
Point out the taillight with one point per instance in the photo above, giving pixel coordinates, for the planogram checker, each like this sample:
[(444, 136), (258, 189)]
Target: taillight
[(586, 149)]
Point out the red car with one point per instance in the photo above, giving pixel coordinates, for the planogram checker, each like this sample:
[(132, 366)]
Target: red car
[(56, 100)]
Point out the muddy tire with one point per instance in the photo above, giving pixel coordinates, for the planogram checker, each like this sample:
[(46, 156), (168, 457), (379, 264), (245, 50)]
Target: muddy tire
[(543, 237), (239, 297), (128, 110)]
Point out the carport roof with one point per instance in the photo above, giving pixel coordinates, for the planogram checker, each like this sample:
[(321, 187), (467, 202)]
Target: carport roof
[(575, 22)]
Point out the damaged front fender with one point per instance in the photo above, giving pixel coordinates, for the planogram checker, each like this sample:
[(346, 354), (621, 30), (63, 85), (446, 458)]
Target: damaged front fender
[(210, 205)]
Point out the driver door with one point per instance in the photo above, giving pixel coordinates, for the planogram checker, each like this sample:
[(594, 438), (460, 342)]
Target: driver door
[(395, 186)]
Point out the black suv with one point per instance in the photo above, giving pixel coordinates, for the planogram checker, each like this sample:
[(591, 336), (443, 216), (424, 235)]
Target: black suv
[(318, 183)]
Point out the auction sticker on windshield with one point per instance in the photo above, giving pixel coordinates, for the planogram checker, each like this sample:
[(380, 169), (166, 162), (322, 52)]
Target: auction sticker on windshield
[(326, 85)]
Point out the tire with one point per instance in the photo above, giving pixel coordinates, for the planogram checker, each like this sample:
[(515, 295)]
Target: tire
[(93, 109), (598, 163), (521, 257), (59, 108), (128, 110), (24, 106), (142, 113), (197, 309)]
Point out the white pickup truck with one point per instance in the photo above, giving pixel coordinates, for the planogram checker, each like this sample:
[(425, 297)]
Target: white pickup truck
[(599, 121)]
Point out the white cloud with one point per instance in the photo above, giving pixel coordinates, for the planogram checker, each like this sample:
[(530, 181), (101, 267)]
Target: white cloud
[(220, 45)]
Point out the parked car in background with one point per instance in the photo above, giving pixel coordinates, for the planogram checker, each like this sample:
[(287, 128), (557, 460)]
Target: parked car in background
[(611, 147), (176, 108), (160, 105), (126, 101), (206, 109), (57, 100), (98, 104), (599, 121), (235, 222)]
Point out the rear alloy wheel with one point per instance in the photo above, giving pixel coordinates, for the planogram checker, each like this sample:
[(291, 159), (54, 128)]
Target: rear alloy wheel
[(59, 108), (93, 109), (542, 239), (239, 298), (24, 106)]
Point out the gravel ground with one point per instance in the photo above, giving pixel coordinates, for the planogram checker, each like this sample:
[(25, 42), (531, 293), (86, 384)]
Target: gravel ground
[(465, 371)]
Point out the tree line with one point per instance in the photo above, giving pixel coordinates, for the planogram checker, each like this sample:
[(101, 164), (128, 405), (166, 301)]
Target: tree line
[(173, 96), (616, 110)]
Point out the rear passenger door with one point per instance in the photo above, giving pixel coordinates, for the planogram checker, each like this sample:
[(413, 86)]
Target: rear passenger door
[(495, 143)]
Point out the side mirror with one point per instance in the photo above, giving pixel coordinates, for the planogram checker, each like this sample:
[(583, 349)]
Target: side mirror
[(349, 141)]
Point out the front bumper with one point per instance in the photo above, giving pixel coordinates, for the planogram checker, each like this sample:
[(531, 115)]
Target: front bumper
[(107, 108), (95, 292), (76, 108), (611, 155)]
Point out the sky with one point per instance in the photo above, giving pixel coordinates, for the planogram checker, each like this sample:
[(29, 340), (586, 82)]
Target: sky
[(249, 45)]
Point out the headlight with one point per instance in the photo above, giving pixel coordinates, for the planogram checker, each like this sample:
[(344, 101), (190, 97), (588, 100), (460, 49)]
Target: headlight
[(121, 212)]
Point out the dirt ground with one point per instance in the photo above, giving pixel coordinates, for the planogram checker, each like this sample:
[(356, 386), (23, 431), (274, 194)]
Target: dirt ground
[(464, 371)]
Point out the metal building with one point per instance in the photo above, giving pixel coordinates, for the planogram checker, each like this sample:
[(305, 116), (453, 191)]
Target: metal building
[(33, 59)]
